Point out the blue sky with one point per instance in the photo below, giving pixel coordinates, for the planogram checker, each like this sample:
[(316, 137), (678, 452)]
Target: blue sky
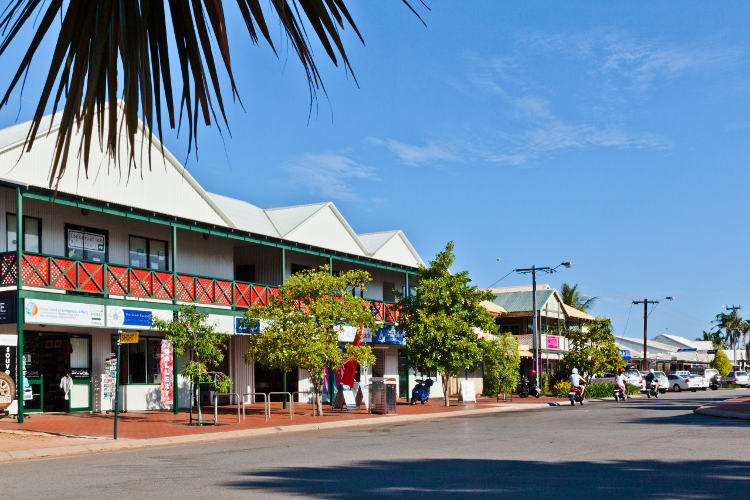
[(610, 134)]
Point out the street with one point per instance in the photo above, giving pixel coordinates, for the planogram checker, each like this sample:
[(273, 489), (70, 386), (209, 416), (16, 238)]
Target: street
[(643, 448)]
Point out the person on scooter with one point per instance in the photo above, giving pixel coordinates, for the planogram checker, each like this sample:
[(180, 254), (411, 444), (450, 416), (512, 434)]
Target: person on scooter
[(576, 379), (652, 383), (620, 381)]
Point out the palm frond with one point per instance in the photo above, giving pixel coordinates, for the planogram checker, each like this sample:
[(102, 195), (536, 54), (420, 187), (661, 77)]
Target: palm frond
[(118, 49)]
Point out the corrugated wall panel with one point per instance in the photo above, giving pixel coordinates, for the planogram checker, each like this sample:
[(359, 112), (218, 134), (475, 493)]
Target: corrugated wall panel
[(267, 261), (101, 348)]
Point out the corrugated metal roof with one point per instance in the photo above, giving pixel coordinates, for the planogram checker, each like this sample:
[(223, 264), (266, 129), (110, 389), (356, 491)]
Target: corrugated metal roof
[(246, 216), (373, 241), (286, 219), (522, 301)]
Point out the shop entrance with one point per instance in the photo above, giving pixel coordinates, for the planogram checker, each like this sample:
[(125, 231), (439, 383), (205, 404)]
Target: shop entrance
[(49, 358), (272, 380)]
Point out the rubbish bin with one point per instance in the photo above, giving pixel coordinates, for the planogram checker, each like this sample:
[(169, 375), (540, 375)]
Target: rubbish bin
[(383, 395)]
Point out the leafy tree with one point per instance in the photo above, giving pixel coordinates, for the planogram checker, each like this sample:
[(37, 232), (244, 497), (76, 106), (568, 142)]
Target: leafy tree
[(190, 334), (592, 349), (721, 362), (304, 320), (102, 44), (735, 329), (572, 297), (439, 322), (501, 361)]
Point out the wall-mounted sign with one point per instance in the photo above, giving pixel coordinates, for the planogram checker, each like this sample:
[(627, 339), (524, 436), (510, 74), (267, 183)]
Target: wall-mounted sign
[(388, 335), (625, 354), (7, 309), (347, 333), (8, 353), (552, 342), (166, 370), (135, 317), (129, 338), (63, 313), (221, 323)]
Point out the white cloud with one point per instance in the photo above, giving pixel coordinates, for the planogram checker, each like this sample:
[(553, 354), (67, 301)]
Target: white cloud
[(329, 174), (412, 154)]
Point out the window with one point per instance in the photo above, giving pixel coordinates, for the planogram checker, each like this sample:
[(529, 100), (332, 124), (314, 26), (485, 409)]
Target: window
[(296, 268), (32, 233), (140, 363), (245, 272), (85, 243), (388, 294), (149, 253)]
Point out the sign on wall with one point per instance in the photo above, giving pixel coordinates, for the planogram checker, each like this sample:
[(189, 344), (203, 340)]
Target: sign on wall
[(135, 317), (552, 342), (8, 353), (166, 370), (388, 335), (347, 333), (63, 313), (7, 309)]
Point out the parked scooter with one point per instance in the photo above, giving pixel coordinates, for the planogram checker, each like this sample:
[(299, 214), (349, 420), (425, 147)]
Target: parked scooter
[(421, 391), (621, 393), (576, 394), (523, 387)]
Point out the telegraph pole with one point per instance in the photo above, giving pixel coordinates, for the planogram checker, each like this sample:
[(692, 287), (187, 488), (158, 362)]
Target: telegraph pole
[(734, 310), (646, 302)]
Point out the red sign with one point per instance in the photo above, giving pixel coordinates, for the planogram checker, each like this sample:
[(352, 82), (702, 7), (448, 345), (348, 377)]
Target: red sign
[(551, 342), (166, 370)]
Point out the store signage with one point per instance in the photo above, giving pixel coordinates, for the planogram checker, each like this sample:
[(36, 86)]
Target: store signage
[(348, 333), (221, 323), (625, 354), (166, 370), (552, 342), (7, 309), (129, 337), (86, 241), (8, 353), (108, 378), (80, 373), (388, 335), (135, 317), (63, 313)]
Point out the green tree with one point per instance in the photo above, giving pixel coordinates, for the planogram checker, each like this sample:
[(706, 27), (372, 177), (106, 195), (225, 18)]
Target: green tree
[(721, 362), (440, 321), (592, 349), (714, 337), (303, 324), (735, 329), (190, 334), (107, 50), (501, 361), (572, 297)]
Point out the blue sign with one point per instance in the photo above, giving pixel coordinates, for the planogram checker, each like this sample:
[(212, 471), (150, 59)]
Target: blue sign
[(388, 335), (136, 317), (241, 325), (625, 354)]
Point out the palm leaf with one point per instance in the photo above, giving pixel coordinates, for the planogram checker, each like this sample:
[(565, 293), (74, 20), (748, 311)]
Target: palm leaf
[(118, 49)]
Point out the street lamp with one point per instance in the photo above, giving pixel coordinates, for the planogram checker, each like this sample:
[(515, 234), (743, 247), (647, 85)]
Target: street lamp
[(646, 302), (533, 270)]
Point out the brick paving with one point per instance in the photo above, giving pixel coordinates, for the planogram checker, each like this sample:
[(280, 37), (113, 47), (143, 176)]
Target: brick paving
[(154, 424)]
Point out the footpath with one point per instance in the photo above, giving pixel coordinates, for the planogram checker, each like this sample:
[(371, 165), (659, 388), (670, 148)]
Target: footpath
[(731, 408), (56, 435)]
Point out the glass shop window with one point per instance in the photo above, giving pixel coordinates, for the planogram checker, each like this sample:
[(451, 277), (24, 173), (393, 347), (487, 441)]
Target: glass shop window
[(32, 233), (148, 253), (86, 244)]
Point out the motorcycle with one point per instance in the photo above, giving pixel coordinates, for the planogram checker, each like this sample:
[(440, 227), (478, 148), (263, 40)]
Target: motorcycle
[(652, 389), (421, 391), (576, 394), (620, 393), (535, 390), (523, 387)]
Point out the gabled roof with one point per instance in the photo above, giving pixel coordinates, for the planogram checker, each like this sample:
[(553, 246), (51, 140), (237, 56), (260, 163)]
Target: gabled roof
[(286, 219), (684, 343), (577, 314), (246, 216), (166, 187), (392, 246), (522, 301), (374, 241)]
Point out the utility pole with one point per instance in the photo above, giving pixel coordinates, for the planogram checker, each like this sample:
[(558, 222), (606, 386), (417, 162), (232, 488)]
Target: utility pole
[(734, 310), (646, 302)]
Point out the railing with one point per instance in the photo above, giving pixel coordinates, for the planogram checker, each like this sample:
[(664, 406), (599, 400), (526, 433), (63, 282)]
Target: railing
[(76, 275)]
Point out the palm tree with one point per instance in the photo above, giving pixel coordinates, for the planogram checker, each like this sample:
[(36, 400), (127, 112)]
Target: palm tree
[(714, 337), (572, 297), (735, 329), (103, 44)]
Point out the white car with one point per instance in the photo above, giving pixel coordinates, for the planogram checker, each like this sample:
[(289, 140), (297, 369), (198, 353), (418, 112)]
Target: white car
[(634, 377), (679, 381), (704, 383), (739, 378)]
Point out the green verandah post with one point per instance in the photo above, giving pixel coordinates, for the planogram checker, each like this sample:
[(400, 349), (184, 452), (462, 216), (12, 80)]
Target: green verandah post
[(283, 280), (19, 302), (175, 387)]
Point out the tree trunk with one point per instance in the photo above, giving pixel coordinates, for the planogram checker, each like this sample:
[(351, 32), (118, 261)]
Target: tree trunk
[(446, 379), (318, 396)]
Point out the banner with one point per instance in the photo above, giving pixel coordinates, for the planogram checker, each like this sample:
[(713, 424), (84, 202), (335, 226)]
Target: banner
[(166, 370), (552, 342), (135, 317), (63, 313)]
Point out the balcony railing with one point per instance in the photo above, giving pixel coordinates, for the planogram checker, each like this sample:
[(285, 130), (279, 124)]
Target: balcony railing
[(75, 275)]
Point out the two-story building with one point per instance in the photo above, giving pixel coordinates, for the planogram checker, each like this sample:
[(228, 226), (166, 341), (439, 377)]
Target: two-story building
[(109, 250)]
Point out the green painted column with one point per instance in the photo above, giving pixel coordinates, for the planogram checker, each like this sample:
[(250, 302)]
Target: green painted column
[(175, 388), (19, 301), (283, 280), (406, 288)]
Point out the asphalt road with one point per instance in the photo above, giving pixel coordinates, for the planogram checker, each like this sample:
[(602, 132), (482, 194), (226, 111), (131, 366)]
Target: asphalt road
[(643, 448)]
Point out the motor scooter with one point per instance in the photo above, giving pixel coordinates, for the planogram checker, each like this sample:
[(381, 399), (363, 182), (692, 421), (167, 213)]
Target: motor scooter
[(621, 393), (652, 389), (421, 391), (523, 387), (576, 394)]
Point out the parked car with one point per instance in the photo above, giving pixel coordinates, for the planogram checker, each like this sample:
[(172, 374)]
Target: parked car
[(635, 378), (661, 379), (682, 381), (702, 381), (738, 377), (711, 375)]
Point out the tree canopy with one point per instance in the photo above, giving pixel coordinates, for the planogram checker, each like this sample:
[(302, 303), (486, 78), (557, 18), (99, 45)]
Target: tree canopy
[(107, 50), (441, 320), (501, 361), (721, 362), (571, 296), (592, 349), (303, 321)]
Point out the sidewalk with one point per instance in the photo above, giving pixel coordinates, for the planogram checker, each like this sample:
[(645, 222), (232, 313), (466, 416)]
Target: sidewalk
[(731, 408), (49, 435)]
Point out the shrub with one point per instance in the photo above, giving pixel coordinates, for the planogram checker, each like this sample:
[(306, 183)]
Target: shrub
[(561, 389), (721, 362), (545, 383), (595, 390)]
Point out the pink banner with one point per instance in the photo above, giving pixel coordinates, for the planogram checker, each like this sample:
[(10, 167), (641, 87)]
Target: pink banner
[(551, 342), (166, 369)]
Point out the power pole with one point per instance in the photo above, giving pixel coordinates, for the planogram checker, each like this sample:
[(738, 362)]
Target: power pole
[(645, 302), (734, 310)]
